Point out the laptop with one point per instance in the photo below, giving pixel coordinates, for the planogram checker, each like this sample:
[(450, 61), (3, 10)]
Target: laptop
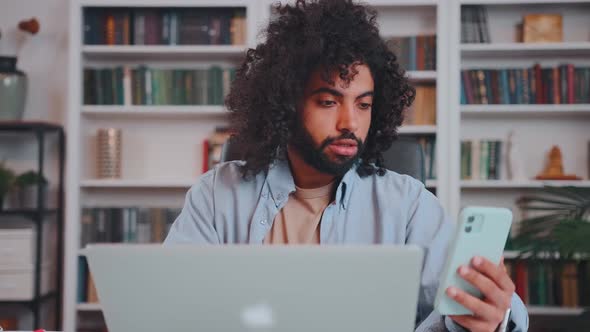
[(155, 288)]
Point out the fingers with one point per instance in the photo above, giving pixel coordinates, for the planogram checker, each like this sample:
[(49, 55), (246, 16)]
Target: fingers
[(494, 272), (492, 293), (479, 308), (470, 323)]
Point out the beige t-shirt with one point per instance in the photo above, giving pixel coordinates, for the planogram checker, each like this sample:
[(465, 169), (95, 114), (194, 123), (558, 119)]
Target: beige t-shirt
[(298, 222)]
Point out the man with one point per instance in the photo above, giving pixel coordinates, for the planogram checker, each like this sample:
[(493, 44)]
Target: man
[(313, 107)]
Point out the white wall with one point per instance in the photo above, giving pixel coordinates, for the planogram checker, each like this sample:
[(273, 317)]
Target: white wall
[(43, 56)]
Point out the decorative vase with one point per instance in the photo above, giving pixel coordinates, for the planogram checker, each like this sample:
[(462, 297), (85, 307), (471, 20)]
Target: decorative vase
[(13, 90), (109, 153)]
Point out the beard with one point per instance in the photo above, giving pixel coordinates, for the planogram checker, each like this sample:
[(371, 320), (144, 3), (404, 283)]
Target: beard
[(316, 156)]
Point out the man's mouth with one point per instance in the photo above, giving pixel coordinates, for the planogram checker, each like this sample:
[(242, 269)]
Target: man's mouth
[(344, 147)]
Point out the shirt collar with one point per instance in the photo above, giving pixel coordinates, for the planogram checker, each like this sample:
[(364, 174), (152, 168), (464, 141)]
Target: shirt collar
[(281, 184)]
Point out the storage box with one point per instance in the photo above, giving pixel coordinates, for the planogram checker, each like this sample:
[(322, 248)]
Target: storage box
[(18, 284), (18, 244)]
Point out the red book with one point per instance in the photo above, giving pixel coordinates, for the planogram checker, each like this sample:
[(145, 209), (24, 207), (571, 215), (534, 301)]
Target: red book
[(205, 156), (420, 51), (522, 285), (468, 88)]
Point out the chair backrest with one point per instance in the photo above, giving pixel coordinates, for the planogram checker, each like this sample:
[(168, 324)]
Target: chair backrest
[(230, 151), (405, 156)]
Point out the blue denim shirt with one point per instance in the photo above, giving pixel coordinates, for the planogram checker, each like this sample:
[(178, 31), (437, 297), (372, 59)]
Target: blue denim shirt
[(223, 208)]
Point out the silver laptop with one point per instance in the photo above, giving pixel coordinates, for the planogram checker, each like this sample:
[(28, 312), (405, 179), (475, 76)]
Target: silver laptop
[(152, 288)]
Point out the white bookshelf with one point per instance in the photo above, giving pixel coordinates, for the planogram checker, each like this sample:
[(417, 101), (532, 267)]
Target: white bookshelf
[(162, 145), (537, 127)]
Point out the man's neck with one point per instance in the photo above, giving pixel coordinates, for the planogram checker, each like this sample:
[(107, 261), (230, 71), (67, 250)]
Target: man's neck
[(304, 175)]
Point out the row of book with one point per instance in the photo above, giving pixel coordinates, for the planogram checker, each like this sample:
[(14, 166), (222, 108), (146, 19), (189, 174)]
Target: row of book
[(429, 147), (156, 86), (414, 52), (551, 283), (481, 160), (126, 224), (169, 26), (423, 109), (474, 25), (564, 84)]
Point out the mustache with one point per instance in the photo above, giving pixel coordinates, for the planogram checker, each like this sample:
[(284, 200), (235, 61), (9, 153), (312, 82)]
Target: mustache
[(347, 135)]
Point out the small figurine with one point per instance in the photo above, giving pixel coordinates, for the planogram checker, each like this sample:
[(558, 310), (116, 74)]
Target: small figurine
[(554, 169)]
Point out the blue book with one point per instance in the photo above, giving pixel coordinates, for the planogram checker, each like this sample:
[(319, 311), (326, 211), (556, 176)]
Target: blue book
[(82, 275), (463, 96), (504, 86)]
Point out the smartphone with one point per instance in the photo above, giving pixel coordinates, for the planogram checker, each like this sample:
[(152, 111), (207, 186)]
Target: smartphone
[(482, 231)]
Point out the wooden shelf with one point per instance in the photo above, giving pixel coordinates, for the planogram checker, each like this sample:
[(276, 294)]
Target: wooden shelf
[(136, 184), (417, 130), (528, 49), (530, 184), (154, 111), (155, 52), (517, 110)]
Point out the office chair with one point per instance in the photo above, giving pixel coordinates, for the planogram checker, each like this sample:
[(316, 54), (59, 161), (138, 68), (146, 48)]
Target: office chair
[(405, 156)]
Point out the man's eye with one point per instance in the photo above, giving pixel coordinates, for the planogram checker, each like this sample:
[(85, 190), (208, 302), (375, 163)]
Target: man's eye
[(365, 106), (327, 103)]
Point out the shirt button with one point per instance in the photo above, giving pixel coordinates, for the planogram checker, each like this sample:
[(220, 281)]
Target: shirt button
[(263, 222), (280, 197)]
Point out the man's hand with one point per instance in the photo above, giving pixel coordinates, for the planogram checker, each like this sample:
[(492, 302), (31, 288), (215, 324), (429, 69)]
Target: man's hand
[(495, 285)]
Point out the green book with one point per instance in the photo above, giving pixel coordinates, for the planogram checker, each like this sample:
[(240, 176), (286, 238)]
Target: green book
[(483, 161), (176, 87), (541, 284)]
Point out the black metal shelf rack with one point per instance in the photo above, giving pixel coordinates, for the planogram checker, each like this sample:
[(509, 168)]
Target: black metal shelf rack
[(40, 130)]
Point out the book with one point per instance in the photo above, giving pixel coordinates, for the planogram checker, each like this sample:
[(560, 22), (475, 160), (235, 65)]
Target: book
[(563, 84), (164, 26), (142, 85)]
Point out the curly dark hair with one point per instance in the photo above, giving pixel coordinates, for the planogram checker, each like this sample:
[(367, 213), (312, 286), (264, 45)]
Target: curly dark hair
[(269, 84)]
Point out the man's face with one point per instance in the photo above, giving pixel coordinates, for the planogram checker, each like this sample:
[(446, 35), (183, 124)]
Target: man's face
[(334, 121)]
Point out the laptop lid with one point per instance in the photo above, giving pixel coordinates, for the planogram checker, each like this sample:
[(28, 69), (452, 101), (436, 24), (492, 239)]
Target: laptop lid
[(155, 288)]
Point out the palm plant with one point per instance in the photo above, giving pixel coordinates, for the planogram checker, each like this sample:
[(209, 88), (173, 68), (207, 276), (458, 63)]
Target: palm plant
[(560, 222)]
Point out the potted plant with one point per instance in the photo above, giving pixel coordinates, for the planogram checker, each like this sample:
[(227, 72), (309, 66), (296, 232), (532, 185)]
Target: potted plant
[(6, 180), (25, 189), (559, 223)]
